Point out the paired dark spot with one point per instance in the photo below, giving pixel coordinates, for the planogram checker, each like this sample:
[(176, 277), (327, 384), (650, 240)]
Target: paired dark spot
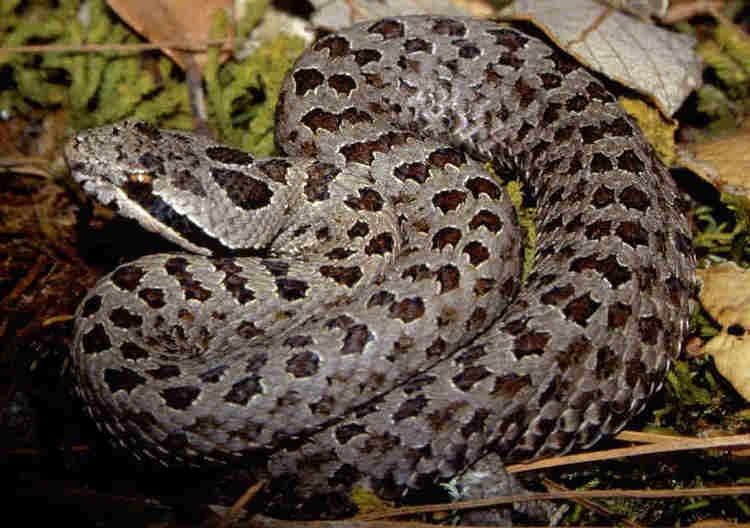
[(609, 267), (575, 353), (347, 276), (483, 286), (213, 375), (467, 49), (576, 103), (416, 44), (243, 190), (417, 272), (180, 398), (550, 80), (509, 385), (276, 267), (598, 229), (233, 282)]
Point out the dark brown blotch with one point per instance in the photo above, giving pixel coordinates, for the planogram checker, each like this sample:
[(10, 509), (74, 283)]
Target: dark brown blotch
[(336, 45), (446, 236), (470, 376), (632, 233), (342, 83), (346, 276), (581, 308), (91, 306), (477, 252), (618, 315), (275, 169), (248, 330), (243, 390), (408, 309), (368, 200), (303, 364), (389, 28), (634, 198), (478, 186), (444, 156), (123, 318), (229, 155), (153, 297), (128, 277), (306, 79), (291, 289), (449, 278), (357, 336), (122, 379), (448, 200), (318, 118), (411, 407), (133, 352), (412, 171), (243, 190), (96, 340), (380, 244)]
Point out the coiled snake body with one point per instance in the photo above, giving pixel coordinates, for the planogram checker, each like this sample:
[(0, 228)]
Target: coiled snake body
[(354, 310)]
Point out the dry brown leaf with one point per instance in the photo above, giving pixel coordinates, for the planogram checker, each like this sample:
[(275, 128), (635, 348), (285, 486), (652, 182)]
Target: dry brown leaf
[(170, 21), (651, 60), (724, 162), (337, 14), (725, 295)]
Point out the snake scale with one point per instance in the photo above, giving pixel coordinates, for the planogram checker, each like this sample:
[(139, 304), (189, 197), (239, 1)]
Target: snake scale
[(353, 312)]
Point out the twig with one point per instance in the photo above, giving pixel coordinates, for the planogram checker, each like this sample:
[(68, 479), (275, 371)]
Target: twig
[(592, 505), (585, 494), (679, 444), (240, 503), (180, 45)]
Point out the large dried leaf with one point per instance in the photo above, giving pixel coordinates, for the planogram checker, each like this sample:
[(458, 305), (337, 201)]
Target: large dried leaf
[(724, 162), (337, 14), (654, 61), (725, 295), (172, 20)]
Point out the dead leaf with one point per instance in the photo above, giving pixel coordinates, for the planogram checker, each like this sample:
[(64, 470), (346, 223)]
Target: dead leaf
[(724, 162), (642, 8), (337, 14), (658, 63), (170, 21), (725, 295)]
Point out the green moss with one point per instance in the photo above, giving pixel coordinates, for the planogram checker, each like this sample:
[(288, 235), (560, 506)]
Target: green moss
[(242, 95), (95, 87)]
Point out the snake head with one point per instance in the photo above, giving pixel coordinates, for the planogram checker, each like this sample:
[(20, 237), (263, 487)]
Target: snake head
[(128, 166)]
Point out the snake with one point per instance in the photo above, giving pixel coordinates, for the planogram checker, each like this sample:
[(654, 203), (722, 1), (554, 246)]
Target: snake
[(354, 311)]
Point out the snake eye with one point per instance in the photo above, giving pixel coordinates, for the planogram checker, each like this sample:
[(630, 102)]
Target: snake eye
[(140, 177)]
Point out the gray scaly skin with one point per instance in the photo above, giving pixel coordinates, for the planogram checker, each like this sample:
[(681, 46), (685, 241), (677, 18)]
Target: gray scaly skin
[(353, 313)]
